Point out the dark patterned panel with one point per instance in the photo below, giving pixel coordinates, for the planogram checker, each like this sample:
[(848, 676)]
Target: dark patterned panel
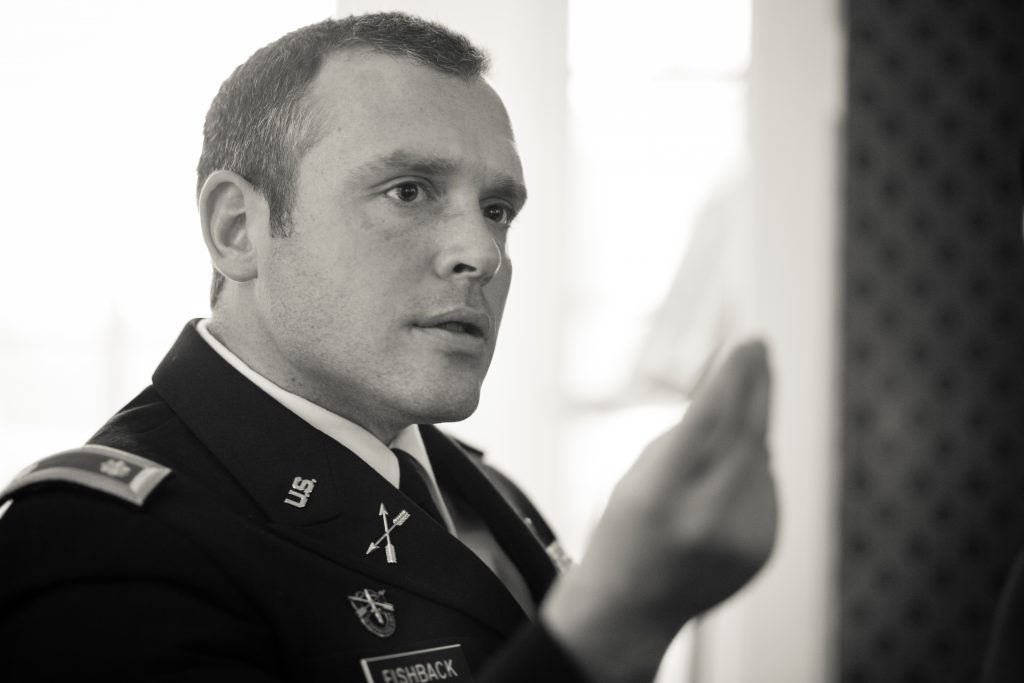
[(933, 340)]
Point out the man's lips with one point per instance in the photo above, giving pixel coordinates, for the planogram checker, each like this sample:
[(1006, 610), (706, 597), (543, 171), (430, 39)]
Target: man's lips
[(468, 321)]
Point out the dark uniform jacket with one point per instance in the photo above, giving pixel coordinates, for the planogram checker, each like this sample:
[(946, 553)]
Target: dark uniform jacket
[(187, 563)]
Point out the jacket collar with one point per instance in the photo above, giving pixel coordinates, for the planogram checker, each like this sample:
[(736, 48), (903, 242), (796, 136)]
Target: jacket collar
[(276, 456), (459, 471)]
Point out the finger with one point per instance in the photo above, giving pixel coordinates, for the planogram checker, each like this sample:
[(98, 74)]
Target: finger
[(740, 492), (755, 504), (733, 403), (758, 393)]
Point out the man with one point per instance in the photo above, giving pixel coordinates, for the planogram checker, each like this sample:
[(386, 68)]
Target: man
[(277, 505)]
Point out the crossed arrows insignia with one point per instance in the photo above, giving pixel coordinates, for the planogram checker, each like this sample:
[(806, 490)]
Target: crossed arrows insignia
[(389, 549)]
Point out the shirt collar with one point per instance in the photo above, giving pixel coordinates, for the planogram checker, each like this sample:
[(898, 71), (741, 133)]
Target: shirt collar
[(350, 435)]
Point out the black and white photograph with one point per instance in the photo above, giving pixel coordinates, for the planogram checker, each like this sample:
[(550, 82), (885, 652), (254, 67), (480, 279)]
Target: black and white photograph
[(559, 340)]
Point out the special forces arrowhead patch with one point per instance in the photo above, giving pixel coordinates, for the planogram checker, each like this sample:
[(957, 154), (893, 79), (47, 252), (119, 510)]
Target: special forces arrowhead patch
[(374, 612)]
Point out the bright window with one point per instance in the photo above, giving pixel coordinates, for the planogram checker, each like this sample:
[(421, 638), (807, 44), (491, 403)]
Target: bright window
[(657, 156), (102, 258), (657, 161)]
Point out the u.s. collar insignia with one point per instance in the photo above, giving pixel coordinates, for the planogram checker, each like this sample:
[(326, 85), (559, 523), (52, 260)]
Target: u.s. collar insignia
[(300, 492), (558, 555), (374, 612), (554, 549)]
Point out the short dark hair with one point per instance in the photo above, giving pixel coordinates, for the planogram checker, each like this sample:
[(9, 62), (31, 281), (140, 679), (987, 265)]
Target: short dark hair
[(260, 124)]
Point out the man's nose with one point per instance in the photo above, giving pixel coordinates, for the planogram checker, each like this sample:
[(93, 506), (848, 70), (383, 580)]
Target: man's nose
[(469, 248)]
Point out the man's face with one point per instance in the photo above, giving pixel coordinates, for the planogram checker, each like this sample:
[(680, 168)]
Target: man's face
[(384, 302)]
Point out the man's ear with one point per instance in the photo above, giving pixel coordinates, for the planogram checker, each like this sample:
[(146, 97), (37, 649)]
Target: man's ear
[(234, 216)]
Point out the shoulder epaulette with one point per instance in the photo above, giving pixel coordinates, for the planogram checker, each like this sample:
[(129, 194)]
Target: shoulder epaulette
[(101, 468), (531, 517)]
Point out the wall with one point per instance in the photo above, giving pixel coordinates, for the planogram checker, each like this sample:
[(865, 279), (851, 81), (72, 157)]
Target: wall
[(781, 628), (933, 334)]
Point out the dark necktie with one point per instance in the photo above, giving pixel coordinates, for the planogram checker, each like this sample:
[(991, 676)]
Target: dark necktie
[(412, 481)]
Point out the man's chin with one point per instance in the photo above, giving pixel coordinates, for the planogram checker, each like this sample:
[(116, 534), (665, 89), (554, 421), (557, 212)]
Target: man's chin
[(453, 415), (447, 408)]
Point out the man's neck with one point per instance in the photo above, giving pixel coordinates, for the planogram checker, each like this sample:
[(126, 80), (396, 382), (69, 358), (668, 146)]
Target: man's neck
[(242, 340)]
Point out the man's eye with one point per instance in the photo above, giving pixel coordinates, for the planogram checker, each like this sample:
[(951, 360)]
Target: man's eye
[(405, 192), (499, 213)]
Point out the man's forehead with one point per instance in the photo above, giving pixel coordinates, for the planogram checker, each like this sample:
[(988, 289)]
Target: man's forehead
[(356, 77), (369, 70), (386, 112)]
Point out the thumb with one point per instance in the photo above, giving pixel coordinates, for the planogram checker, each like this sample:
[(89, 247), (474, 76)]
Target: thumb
[(757, 391), (735, 399)]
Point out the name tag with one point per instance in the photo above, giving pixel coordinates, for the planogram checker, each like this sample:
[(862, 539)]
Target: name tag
[(419, 666)]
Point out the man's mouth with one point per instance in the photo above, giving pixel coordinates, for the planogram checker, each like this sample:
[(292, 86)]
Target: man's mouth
[(461, 323), (457, 327)]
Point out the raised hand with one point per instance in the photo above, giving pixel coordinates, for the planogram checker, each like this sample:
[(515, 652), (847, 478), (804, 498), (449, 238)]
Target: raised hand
[(686, 527)]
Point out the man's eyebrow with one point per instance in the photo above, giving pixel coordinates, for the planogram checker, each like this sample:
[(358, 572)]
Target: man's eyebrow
[(510, 189), (411, 162)]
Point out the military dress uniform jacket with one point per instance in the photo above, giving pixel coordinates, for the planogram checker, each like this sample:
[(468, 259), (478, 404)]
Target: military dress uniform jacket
[(190, 563)]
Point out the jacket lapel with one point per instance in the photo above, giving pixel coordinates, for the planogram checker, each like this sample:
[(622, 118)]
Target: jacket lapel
[(459, 471), (320, 495)]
